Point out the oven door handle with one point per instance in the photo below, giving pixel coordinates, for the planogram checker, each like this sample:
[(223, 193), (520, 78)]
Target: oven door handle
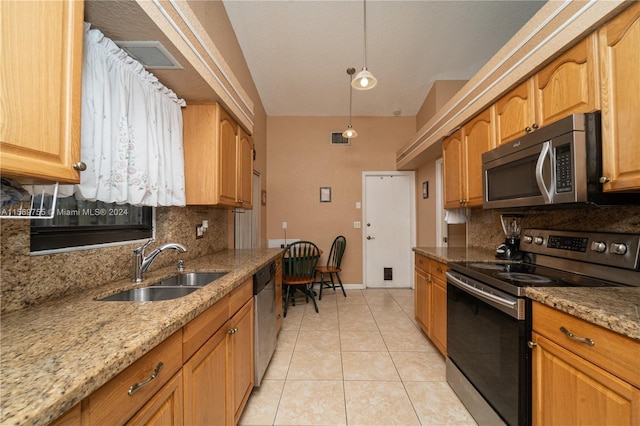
[(510, 304)]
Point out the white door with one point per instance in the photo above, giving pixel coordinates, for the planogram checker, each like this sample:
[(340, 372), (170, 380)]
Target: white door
[(246, 221), (388, 228)]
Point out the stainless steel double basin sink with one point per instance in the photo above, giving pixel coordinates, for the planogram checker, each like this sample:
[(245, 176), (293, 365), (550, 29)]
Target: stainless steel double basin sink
[(169, 288)]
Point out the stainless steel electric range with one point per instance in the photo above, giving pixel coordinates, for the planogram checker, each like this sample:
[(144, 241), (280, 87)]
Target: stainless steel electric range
[(489, 317)]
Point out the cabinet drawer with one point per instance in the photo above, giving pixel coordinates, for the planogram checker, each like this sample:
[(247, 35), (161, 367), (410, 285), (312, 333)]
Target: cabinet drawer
[(112, 404), (198, 330), (422, 263), (612, 351), (438, 270), (239, 296)]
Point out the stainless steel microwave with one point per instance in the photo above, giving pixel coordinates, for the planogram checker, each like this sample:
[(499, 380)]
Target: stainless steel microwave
[(556, 165)]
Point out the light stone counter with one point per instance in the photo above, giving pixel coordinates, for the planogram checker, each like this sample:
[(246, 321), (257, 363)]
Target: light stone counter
[(55, 354), (453, 254), (614, 308)]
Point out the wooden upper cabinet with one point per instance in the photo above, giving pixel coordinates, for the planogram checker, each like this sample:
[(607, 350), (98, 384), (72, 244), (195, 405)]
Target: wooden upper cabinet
[(228, 163), (40, 89), (462, 161), (244, 179), (619, 44), (569, 84), (453, 164), (218, 158), (515, 113), (479, 138)]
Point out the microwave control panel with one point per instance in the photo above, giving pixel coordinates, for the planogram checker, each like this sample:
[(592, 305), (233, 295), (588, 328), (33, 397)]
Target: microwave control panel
[(564, 167)]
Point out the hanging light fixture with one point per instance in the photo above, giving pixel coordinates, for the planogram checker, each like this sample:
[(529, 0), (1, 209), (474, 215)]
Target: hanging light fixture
[(364, 80), (350, 133)]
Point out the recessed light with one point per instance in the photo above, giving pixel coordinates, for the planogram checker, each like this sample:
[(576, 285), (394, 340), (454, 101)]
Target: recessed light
[(151, 54)]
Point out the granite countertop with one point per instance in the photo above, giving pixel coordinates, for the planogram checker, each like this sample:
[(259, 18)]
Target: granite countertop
[(614, 308), (55, 354)]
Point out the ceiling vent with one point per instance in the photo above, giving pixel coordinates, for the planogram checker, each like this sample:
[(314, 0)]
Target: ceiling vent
[(338, 139), (151, 54)]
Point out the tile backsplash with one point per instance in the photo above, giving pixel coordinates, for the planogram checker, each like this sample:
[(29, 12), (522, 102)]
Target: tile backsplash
[(485, 229), (28, 280)]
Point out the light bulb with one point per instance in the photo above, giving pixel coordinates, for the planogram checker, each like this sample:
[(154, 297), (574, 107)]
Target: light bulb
[(364, 82)]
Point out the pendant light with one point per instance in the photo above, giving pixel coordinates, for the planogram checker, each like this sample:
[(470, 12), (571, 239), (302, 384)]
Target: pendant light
[(364, 80), (350, 133)]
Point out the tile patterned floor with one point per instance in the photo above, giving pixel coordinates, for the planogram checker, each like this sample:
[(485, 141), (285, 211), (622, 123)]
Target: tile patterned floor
[(360, 361)]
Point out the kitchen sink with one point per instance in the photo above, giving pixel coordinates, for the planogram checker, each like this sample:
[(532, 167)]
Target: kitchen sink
[(150, 294), (192, 279), (174, 287)]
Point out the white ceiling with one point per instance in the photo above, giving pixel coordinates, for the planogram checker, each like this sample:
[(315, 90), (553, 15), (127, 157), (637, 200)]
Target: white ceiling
[(298, 50)]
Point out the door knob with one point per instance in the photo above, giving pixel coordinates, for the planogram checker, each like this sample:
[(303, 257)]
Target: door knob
[(370, 237)]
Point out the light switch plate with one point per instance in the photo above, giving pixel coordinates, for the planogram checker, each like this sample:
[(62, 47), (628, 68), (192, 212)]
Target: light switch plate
[(357, 224)]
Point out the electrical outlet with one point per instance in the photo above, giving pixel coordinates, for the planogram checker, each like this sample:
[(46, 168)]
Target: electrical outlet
[(357, 224), (284, 225), (358, 205), (199, 232)]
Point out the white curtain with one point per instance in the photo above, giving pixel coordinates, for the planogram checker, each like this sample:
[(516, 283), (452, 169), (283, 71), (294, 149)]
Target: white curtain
[(131, 130)]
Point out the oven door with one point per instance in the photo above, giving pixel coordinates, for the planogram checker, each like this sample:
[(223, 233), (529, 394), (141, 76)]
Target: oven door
[(487, 342)]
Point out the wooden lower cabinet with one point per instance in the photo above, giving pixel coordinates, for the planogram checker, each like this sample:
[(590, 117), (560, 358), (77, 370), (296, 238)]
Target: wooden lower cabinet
[(430, 300), (279, 317), (165, 408), (205, 383), (575, 383), (202, 375)]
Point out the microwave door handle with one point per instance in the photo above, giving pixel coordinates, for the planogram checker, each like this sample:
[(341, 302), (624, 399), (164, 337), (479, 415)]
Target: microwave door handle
[(546, 192)]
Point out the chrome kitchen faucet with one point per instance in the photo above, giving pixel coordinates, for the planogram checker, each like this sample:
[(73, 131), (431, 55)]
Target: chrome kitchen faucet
[(141, 263)]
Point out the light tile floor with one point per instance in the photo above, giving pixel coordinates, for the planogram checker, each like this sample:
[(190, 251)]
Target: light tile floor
[(360, 361)]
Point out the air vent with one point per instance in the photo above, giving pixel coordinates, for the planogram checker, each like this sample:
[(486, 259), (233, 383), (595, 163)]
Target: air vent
[(338, 139), (151, 54)]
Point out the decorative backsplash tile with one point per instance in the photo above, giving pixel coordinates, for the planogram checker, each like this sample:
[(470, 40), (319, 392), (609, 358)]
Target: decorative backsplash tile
[(485, 230)]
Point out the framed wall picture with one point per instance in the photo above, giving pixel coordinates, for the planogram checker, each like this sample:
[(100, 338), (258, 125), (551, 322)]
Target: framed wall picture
[(325, 194), (425, 189)]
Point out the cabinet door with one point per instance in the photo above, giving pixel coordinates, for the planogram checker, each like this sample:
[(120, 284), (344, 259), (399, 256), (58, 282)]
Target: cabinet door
[(439, 309), (569, 84), (40, 71), (201, 154), (245, 170), (453, 163), (206, 399), (620, 93), (478, 139), (227, 132), (165, 408), (241, 358), (422, 300), (515, 113), (568, 390)]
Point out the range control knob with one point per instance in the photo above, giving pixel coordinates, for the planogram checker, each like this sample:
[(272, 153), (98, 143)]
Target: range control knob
[(598, 246), (618, 248), (538, 240), (528, 239)]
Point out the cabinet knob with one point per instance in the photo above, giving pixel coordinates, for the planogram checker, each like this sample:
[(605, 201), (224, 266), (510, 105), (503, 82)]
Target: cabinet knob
[(528, 129), (79, 166), (603, 179), (531, 344), (535, 126)]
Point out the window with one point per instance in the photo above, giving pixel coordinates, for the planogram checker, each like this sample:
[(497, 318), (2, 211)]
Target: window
[(81, 224)]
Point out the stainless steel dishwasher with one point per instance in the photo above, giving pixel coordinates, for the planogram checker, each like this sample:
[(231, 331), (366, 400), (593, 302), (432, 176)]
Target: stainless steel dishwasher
[(264, 297)]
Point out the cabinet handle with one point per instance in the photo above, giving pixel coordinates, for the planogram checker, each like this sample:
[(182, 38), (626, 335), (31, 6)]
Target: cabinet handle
[(440, 271), (531, 344), (604, 179), (234, 330), (79, 166), (578, 338), (133, 389)]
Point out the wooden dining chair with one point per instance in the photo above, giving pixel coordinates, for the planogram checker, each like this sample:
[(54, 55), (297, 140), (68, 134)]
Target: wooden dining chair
[(298, 271), (332, 268)]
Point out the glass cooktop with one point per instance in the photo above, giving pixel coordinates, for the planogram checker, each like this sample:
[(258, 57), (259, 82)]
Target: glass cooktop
[(513, 277)]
